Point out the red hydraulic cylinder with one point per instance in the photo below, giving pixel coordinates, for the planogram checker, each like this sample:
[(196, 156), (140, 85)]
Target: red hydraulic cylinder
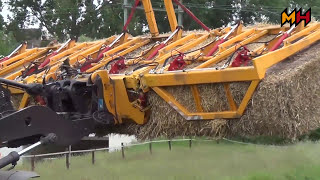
[(279, 42), (283, 37), (136, 3), (87, 65), (48, 59), (12, 53), (163, 44), (155, 52), (192, 15), (117, 67), (216, 46), (4, 59)]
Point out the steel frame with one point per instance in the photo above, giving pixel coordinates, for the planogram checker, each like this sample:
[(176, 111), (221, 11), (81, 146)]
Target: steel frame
[(156, 77)]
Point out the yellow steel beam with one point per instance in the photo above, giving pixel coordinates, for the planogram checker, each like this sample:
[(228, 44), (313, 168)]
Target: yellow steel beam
[(24, 101), (67, 52), (75, 57), (262, 63), (124, 46), (212, 115), (194, 88), (15, 90), (93, 52), (18, 64), (78, 56), (202, 76), (247, 97), (13, 76), (230, 50), (117, 100), (171, 14), (236, 39), (301, 33), (33, 57), (90, 50), (18, 57), (161, 59), (192, 116), (231, 102), (197, 98), (122, 53), (177, 43), (170, 100), (186, 46), (23, 48), (150, 17)]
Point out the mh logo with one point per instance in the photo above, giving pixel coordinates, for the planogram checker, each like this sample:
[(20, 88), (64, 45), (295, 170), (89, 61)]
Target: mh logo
[(295, 17)]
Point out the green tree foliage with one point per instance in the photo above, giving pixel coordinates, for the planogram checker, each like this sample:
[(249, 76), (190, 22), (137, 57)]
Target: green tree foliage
[(207, 12), (103, 18), (262, 10), (58, 17), (70, 18), (7, 43), (2, 23)]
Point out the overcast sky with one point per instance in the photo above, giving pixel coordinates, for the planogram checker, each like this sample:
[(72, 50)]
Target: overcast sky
[(5, 11)]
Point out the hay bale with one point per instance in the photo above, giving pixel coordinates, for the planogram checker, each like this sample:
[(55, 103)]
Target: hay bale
[(167, 122), (15, 100), (285, 105), (286, 101)]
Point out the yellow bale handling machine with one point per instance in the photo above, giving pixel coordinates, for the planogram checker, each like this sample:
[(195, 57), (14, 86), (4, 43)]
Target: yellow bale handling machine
[(107, 82)]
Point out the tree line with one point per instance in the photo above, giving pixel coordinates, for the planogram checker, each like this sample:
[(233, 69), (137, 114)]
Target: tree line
[(97, 19)]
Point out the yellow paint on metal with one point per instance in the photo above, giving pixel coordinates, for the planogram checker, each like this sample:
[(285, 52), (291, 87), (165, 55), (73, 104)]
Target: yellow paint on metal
[(237, 39), (23, 48), (201, 76), (15, 90), (231, 102), (229, 51), (127, 50), (148, 10), (67, 52), (171, 14), (117, 100), (18, 57), (20, 63), (177, 43), (192, 116), (301, 33), (115, 87), (247, 97), (262, 63), (24, 101), (197, 98)]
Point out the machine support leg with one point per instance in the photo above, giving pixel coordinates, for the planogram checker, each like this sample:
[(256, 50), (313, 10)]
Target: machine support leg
[(122, 150), (33, 160), (93, 157), (150, 147), (197, 98)]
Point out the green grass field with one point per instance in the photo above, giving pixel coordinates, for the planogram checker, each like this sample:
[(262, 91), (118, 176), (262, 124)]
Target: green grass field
[(206, 160)]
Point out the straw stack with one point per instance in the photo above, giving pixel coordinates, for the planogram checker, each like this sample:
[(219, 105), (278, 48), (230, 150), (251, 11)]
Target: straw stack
[(285, 104)]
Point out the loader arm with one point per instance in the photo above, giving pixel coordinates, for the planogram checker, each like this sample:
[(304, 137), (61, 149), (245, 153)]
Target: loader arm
[(28, 125)]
